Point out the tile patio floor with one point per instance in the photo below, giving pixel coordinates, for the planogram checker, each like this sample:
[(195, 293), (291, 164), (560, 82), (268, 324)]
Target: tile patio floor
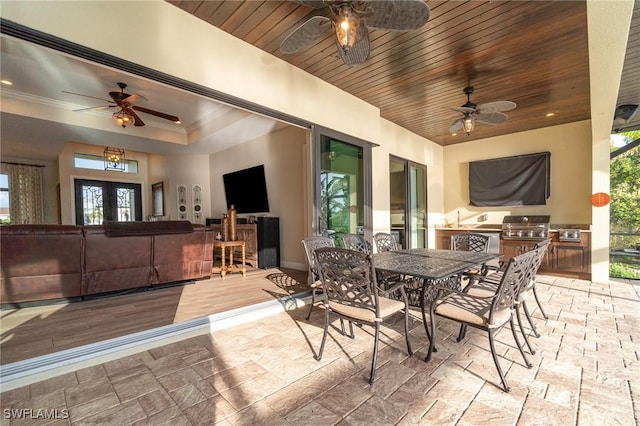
[(586, 371)]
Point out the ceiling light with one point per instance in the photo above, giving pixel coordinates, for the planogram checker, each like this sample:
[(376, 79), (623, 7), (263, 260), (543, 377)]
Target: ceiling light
[(121, 118), (114, 159), (550, 114), (468, 123), (6, 82), (346, 27)]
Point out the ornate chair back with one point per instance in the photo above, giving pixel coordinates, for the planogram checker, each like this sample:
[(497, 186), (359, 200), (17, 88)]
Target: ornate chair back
[(356, 242), (385, 242), (311, 244), (349, 282), (470, 242)]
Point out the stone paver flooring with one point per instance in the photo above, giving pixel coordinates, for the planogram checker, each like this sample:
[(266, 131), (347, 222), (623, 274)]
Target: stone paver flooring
[(585, 372)]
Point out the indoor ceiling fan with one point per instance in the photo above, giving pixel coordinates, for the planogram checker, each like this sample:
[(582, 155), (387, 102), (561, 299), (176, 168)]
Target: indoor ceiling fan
[(351, 21), (127, 113), (488, 113)]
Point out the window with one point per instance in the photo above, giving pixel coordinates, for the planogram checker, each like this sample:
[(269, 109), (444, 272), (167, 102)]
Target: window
[(96, 162), (5, 216)]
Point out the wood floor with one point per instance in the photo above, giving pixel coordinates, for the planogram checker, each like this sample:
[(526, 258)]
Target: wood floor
[(34, 331)]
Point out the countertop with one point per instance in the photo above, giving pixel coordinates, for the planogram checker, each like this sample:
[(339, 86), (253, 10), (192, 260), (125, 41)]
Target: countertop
[(498, 228)]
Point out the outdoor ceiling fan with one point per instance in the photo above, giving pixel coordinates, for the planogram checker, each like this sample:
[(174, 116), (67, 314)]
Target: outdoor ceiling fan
[(351, 21), (127, 113), (487, 113)]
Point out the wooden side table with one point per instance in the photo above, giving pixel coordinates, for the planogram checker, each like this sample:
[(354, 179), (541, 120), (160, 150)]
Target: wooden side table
[(225, 268)]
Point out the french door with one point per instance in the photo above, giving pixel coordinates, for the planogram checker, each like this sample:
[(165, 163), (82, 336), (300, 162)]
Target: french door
[(408, 202), (97, 201)]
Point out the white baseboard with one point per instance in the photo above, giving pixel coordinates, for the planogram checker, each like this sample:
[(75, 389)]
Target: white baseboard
[(22, 373)]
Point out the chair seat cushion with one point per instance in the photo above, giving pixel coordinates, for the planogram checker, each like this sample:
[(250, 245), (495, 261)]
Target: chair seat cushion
[(472, 310), (387, 307)]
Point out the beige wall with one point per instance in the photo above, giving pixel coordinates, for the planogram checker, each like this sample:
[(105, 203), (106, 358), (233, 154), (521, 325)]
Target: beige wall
[(282, 153), (188, 170), (570, 147)]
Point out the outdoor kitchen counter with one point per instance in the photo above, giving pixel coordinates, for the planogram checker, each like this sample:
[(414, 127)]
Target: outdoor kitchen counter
[(564, 258)]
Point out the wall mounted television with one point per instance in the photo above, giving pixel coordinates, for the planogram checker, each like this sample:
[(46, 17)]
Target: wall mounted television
[(522, 180), (247, 190)]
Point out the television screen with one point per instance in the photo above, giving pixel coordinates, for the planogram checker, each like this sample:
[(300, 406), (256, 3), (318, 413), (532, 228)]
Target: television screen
[(523, 180), (247, 190)]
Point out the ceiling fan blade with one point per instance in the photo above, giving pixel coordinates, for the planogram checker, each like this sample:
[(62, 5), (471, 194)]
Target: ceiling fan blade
[(494, 118), (94, 108), (87, 96), (132, 99), (305, 35), (360, 50), (498, 106), (156, 113), (463, 109), (456, 126), (137, 120), (397, 15)]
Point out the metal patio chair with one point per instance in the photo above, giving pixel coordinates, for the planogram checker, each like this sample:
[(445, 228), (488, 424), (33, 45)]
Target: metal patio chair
[(488, 312), (310, 245), (351, 292)]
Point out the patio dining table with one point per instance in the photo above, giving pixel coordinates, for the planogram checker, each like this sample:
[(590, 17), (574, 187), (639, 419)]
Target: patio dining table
[(422, 267)]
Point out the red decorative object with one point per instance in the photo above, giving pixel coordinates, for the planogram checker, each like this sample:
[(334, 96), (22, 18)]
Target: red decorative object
[(600, 199)]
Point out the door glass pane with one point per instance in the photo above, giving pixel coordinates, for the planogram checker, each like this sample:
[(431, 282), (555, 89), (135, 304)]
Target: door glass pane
[(92, 205), (418, 206), (408, 202), (125, 204), (398, 197), (341, 187)]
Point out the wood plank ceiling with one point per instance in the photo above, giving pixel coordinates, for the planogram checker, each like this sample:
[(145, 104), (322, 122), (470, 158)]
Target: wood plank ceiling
[(533, 53)]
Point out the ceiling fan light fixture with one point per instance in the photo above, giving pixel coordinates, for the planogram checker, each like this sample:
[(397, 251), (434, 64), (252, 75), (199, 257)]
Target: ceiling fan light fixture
[(121, 118), (468, 124), (346, 27)]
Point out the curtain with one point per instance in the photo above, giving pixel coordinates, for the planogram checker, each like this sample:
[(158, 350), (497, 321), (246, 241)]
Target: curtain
[(25, 193)]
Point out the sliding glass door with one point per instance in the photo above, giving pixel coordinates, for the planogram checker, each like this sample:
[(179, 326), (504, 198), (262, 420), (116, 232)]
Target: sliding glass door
[(408, 202), (343, 190)]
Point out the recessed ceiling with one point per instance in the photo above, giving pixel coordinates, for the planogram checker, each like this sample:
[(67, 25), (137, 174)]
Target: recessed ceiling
[(41, 117)]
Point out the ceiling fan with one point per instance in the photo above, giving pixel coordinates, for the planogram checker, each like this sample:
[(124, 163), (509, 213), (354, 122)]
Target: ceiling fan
[(488, 113), (127, 113), (351, 21)]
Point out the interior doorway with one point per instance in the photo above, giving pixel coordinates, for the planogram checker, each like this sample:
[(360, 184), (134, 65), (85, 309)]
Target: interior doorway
[(408, 202), (97, 201)]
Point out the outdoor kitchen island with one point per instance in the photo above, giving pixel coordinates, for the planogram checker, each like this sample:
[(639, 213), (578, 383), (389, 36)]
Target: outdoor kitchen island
[(569, 253)]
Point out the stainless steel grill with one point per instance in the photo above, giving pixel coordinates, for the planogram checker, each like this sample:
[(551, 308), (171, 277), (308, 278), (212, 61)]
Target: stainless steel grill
[(525, 227)]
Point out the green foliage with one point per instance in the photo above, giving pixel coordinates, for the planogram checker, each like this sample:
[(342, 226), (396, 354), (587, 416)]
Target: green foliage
[(621, 270), (625, 190)]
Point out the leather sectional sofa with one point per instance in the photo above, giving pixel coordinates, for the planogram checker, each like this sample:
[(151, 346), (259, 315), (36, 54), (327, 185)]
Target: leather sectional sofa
[(41, 262)]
